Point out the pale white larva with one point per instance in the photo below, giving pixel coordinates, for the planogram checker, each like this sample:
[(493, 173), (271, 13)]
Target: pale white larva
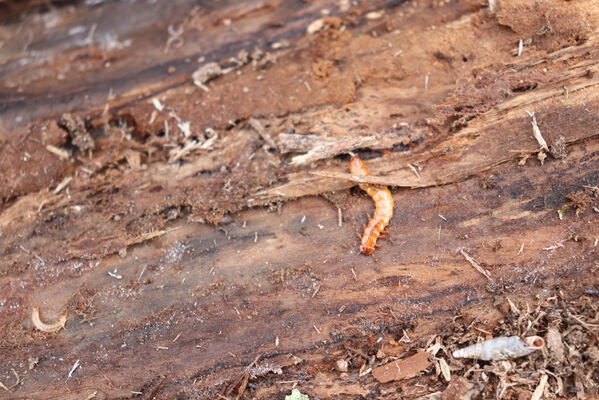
[(501, 348)]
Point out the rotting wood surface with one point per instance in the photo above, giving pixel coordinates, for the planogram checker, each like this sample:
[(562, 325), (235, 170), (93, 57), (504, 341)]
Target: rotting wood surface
[(232, 259)]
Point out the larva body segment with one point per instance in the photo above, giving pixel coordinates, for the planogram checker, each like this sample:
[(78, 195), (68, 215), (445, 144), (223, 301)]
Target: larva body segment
[(382, 213), (42, 326), (501, 348)]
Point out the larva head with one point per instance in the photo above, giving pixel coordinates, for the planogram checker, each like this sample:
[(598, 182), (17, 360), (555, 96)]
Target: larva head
[(366, 249), (357, 166), (534, 342)]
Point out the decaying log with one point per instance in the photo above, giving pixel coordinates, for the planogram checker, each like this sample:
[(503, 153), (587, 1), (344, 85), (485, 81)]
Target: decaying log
[(197, 258)]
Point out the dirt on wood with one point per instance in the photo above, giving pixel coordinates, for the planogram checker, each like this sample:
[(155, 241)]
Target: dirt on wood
[(173, 178)]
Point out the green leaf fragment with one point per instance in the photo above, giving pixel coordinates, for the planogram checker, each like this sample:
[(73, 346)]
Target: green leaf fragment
[(296, 395), (561, 211)]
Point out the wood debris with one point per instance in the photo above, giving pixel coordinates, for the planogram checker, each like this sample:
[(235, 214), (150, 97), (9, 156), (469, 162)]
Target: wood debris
[(62, 184), (254, 123), (205, 73), (324, 147), (402, 369), (538, 393), (14, 385), (476, 265), (61, 153), (537, 132)]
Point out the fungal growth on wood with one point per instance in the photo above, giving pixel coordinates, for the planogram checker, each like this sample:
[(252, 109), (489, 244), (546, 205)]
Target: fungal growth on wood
[(382, 213)]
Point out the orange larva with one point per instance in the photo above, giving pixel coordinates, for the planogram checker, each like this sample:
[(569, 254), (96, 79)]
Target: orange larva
[(382, 213)]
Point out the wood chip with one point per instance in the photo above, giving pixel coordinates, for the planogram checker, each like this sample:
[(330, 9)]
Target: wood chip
[(445, 369), (62, 184), (538, 393), (537, 132), (324, 147), (61, 153), (402, 369), (555, 345), (257, 126), (476, 265)]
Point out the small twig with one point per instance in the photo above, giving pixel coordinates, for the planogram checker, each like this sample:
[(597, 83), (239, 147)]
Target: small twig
[(7, 388), (414, 170), (61, 153), (316, 291), (62, 184), (585, 324), (73, 369), (257, 126), (141, 273), (538, 393), (520, 47), (476, 265), (537, 132)]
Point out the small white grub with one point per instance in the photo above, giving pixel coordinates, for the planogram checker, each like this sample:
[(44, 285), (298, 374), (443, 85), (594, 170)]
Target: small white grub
[(442, 217), (339, 217), (537, 132), (303, 219), (62, 184), (476, 265), (157, 104), (115, 275), (520, 47), (73, 369), (426, 78), (277, 341), (55, 327), (255, 237)]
